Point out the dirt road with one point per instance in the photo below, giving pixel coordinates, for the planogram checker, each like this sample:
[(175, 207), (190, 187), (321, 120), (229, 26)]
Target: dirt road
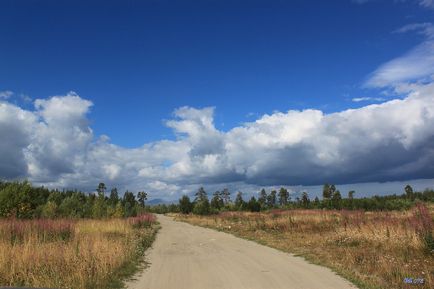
[(189, 257)]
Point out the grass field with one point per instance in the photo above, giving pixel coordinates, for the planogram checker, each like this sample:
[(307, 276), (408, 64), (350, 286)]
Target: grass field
[(72, 253), (372, 249)]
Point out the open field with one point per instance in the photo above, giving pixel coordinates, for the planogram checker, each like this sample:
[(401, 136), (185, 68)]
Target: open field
[(373, 249), (72, 253)]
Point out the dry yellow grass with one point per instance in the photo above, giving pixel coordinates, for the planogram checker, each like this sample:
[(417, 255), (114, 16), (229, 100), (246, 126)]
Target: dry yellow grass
[(89, 258), (373, 249)]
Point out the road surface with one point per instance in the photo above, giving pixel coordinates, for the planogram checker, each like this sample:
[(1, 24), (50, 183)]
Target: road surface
[(189, 257)]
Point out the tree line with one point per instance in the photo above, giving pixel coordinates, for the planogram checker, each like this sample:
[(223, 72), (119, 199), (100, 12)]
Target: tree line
[(22, 200), (331, 199)]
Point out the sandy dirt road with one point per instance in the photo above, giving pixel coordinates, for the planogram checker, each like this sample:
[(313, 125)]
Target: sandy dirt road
[(188, 257)]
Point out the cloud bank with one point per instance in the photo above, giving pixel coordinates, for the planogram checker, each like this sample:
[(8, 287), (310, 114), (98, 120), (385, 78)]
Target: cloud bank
[(54, 145)]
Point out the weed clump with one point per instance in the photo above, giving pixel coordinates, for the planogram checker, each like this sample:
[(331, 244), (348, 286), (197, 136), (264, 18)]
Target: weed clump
[(423, 225)]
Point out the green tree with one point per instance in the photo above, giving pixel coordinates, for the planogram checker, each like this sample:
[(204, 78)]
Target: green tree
[(56, 197), (351, 199), (409, 191), (173, 208), (142, 197), (283, 196), (201, 207), (201, 202), (119, 211), (88, 205), (129, 203), (99, 209), (239, 202), (114, 197), (217, 201), (50, 210), (263, 198), (16, 200), (101, 189), (272, 199), (200, 195), (336, 199), (71, 207), (316, 202), (305, 201), (326, 192), (253, 205), (185, 205), (226, 196)]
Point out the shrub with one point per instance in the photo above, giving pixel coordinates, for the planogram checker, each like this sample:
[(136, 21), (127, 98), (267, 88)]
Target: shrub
[(423, 225), (142, 221), (201, 207), (185, 205)]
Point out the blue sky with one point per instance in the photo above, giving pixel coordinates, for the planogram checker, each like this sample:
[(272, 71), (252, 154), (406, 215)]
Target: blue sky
[(132, 65), (139, 60)]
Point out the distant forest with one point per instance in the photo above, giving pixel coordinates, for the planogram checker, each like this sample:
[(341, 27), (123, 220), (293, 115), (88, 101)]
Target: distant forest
[(24, 201), (332, 199)]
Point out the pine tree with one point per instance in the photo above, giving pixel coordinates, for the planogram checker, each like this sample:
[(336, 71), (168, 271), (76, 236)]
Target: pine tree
[(326, 192), (114, 197), (409, 191), (201, 202), (239, 202), (101, 189), (262, 198), (336, 199), (200, 195), (283, 196), (119, 211), (129, 202), (271, 199), (316, 202), (226, 196), (185, 205), (217, 201), (142, 197), (254, 205), (305, 201)]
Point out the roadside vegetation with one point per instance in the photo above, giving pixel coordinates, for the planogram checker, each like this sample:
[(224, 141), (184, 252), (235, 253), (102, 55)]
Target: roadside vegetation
[(21, 200), (372, 249), (70, 239), (375, 242)]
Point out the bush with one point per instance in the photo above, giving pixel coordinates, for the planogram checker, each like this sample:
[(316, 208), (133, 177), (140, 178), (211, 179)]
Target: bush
[(185, 205), (253, 205), (201, 207), (142, 221), (398, 204)]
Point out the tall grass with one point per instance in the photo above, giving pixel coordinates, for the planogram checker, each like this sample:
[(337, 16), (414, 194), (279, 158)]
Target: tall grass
[(373, 249), (44, 230), (423, 225), (142, 221), (69, 253)]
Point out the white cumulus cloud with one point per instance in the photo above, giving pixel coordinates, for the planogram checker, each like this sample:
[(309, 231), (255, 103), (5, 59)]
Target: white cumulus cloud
[(54, 145)]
